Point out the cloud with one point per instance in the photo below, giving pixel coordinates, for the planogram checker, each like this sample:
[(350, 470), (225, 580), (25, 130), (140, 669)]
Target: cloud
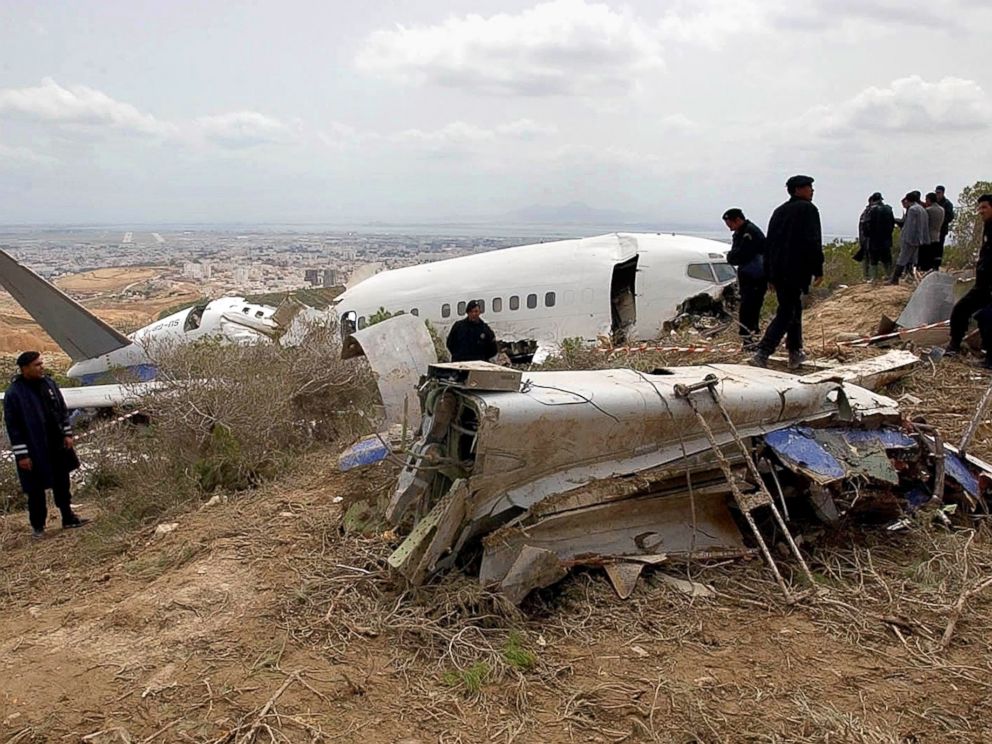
[(907, 105), (23, 155), (79, 105), (241, 129), (460, 134), (557, 48)]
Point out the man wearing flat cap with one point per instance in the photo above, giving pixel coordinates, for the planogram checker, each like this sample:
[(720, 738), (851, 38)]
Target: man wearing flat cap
[(793, 261), (40, 435), (471, 339)]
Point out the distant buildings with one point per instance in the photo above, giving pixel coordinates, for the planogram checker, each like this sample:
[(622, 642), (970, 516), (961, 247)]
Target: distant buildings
[(196, 270), (318, 278)]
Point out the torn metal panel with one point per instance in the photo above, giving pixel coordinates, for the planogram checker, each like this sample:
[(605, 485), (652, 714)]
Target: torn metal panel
[(931, 302), (674, 525), (624, 576), (872, 374), (534, 568), (399, 350), (829, 455)]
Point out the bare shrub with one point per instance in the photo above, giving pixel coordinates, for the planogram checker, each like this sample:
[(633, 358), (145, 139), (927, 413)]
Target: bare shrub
[(227, 418)]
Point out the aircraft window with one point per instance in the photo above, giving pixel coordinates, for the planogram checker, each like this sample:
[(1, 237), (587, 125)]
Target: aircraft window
[(531, 301), (415, 311), (549, 299), (514, 302), (259, 314), (482, 305), (724, 272), (703, 272), (348, 322), (361, 323), (497, 304), (445, 310), (194, 317), (569, 297), (587, 296), (461, 307), (244, 310)]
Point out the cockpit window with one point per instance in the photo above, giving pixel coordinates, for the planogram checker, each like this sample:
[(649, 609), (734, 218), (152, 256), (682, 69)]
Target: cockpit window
[(194, 317), (703, 272), (724, 272)]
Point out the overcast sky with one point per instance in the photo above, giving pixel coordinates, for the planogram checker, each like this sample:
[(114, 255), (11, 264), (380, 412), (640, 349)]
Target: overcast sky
[(412, 110)]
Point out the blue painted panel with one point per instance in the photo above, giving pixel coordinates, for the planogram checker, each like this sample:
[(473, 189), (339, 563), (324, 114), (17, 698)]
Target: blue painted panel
[(363, 452), (796, 447), (957, 470), (889, 438)]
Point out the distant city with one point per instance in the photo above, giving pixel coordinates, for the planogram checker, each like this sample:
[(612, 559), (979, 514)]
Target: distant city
[(238, 259)]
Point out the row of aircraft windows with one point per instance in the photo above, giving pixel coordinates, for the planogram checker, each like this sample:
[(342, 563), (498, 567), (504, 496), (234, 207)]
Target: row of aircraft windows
[(531, 300)]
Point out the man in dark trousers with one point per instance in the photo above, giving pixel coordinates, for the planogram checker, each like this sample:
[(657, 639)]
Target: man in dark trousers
[(41, 438), (470, 339), (978, 300), (793, 261), (747, 253), (881, 223), (948, 206)]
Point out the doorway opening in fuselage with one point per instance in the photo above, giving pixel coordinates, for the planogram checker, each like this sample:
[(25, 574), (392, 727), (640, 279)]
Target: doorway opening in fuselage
[(623, 305)]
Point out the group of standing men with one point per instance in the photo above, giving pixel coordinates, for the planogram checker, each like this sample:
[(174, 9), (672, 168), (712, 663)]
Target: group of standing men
[(788, 261), (924, 227)]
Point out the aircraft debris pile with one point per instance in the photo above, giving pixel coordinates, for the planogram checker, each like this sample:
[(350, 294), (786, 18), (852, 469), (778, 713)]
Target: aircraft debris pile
[(523, 476)]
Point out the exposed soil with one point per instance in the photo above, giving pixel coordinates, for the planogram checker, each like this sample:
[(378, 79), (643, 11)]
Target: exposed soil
[(256, 620), (855, 309)]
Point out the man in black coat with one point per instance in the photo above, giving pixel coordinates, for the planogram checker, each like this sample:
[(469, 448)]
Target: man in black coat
[(747, 253), (978, 300), (948, 206), (881, 223), (793, 261), (40, 436), (470, 339)]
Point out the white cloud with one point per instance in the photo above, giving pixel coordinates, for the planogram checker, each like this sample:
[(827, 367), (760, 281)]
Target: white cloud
[(23, 155), (557, 48), (240, 129), (79, 105), (907, 105), (460, 133)]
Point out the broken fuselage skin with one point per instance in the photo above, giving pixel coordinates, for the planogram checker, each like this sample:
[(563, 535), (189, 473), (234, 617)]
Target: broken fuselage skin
[(487, 459)]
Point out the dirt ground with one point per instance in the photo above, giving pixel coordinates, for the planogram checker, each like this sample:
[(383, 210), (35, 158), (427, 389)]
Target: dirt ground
[(256, 620), (855, 309), (101, 281)]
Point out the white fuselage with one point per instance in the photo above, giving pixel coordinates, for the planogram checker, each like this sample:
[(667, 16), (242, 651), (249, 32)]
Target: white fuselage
[(229, 318), (583, 288)]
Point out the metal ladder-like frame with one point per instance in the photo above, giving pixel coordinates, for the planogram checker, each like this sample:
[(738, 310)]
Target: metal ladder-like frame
[(747, 502)]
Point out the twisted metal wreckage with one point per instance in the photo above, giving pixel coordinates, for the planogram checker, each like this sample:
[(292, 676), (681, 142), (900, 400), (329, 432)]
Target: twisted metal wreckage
[(540, 472)]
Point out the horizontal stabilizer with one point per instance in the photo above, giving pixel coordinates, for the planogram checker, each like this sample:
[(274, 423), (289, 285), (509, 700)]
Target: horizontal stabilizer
[(81, 334)]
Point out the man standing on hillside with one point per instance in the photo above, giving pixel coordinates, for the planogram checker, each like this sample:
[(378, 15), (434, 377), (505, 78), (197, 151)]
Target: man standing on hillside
[(978, 300), (40, 436), (471, 339), (948, 206), (914, 234), (793, 260), (932, 256), (881, 223), (747, 253)]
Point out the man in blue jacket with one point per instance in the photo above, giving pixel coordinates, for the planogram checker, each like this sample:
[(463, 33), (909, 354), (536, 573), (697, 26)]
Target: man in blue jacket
[(747, 253), (793, 261), (41, 438)]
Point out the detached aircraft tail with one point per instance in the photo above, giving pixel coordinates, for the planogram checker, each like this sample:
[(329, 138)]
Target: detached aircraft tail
[(79, 332)]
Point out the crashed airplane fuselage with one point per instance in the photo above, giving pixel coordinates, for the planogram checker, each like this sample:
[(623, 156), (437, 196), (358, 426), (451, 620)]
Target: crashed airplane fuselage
[(592, 466), (624, 286)]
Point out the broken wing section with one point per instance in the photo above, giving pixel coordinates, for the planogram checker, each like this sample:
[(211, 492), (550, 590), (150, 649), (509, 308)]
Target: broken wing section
[(75, 329), (399, 351)]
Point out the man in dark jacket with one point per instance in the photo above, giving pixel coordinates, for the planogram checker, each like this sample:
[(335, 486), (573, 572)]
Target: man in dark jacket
[(793, 261), (948, 206), (978, 300), (881, 223), (41, 438), (747, 253), (470, 339)]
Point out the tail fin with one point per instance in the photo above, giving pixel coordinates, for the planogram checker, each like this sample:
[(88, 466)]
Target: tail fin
[(81, 334)]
